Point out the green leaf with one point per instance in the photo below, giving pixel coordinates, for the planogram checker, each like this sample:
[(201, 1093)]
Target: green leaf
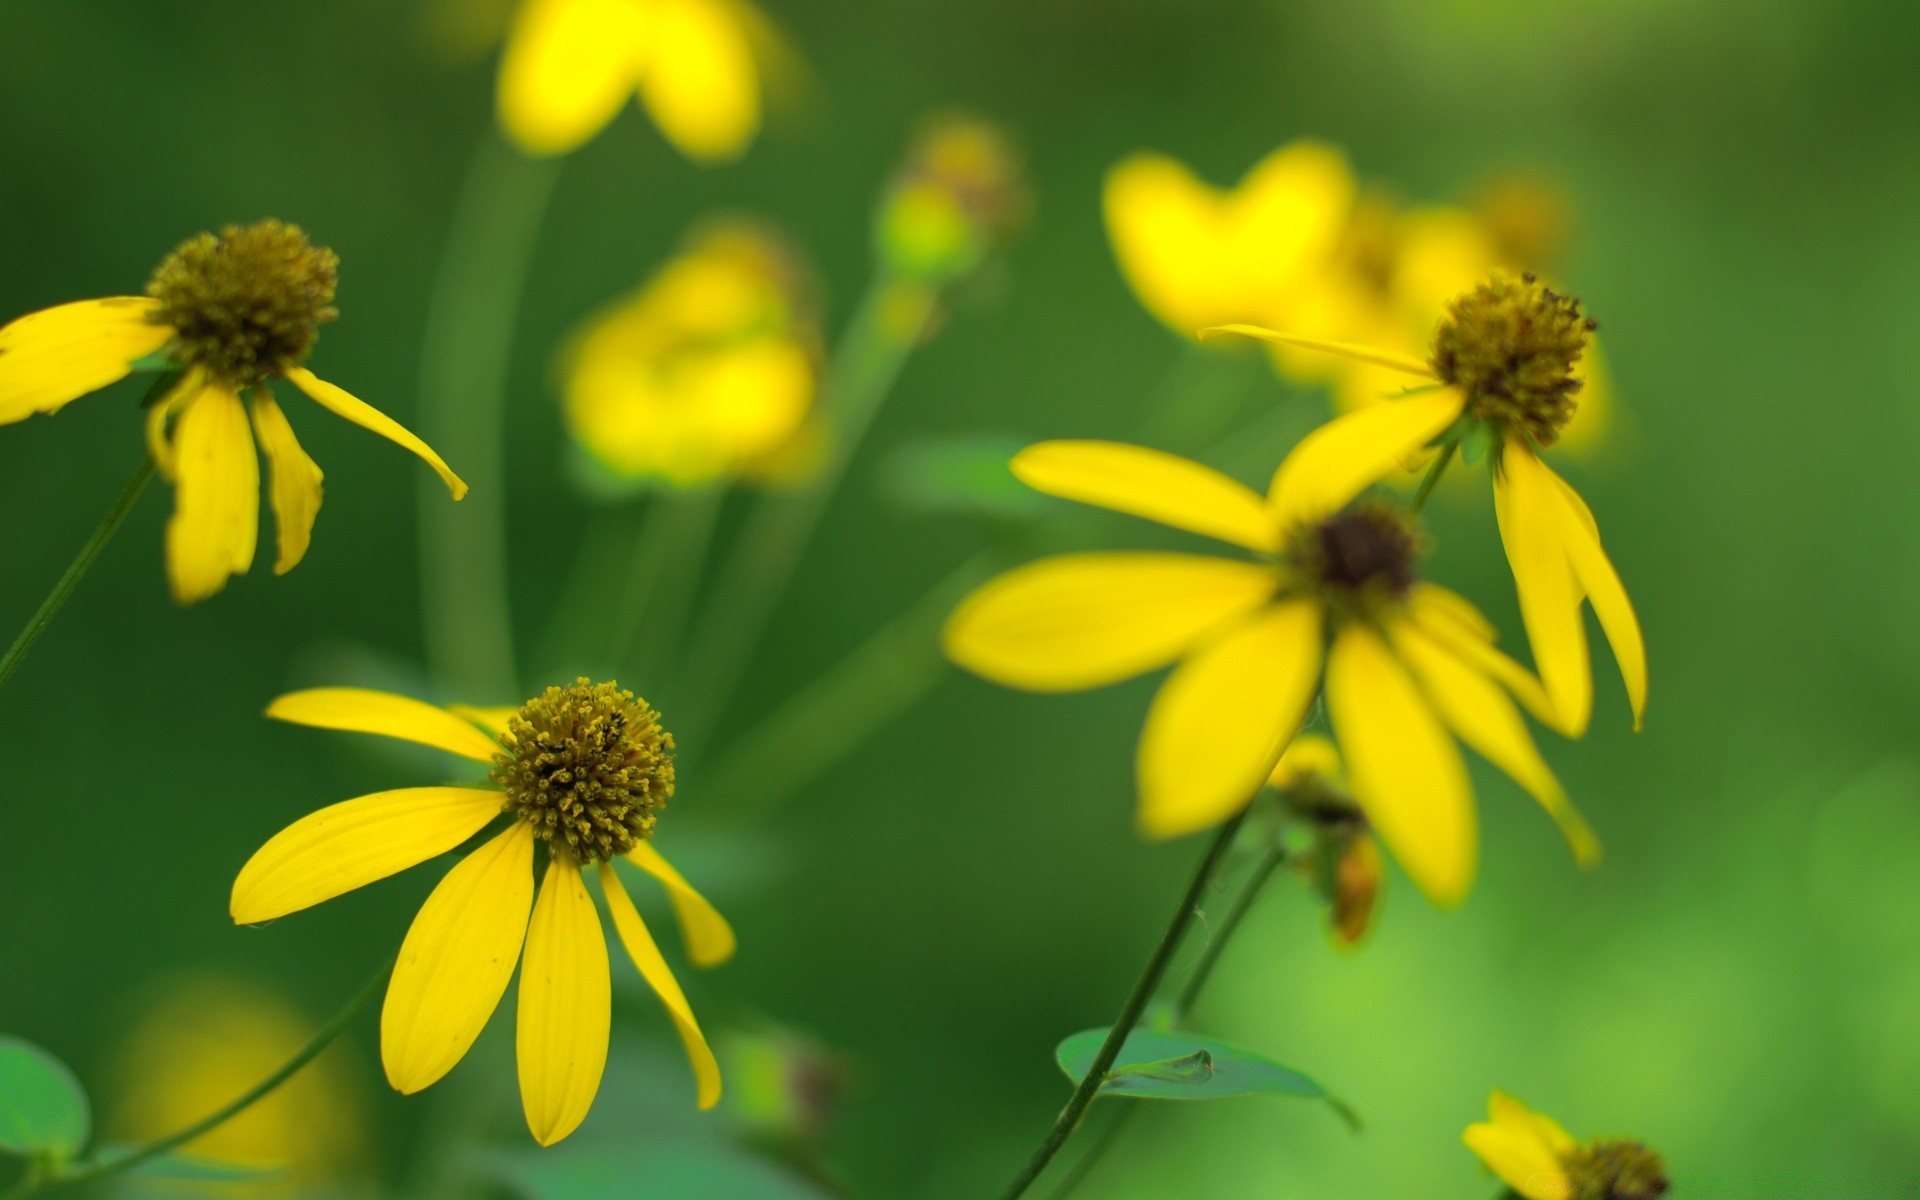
[(43, 1108), (961, 475), (658, 1171), (1164, 1064)]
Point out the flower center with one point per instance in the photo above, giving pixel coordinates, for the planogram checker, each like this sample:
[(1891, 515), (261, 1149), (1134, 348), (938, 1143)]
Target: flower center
[(247, 304), (588, 766), (1512, 347), (1363, 551), (1616, 1171)]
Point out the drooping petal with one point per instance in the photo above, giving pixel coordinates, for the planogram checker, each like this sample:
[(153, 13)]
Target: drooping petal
[(294, 481), (1444, 604), (1148, 483), (1348, 454), (1595, 573), (53, 357), (456, 961), (1448, 619), (709, 938), (347, 407), (653, 968), (699, 81), (1082, 620), (1378, 356), (492, 719), (363, 710), (159, 446), (216, 496), (1222, 719), (1531, 518), (566, 1006), (1531, 1169), (1507, 1112), (353, 843), (1483, 717), (1405, 770), (567, 68)]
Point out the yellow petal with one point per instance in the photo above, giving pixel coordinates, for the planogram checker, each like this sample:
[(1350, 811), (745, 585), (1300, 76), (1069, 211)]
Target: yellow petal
[(1147, 483), (456, 960), (1348, 454), (362, 710), (566, 1006), (1308, 755), (492, 719), (1082, 620), (295, 481), (52, 357), (1595, 573), (1222, 718), (1529, 512), (216, 497), (1505, 1111), (159, 446), (1485, 718), (567, 68), (1438, 614), (1522, 1163), (653, 968), (698, 79), (709, 937), (1377, 356), (1444, 604), (1405, 770), (353, 843), (349, 408)]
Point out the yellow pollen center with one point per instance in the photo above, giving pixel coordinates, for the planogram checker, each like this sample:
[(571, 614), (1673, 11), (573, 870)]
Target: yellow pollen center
[(1512, 346), (247, 304)]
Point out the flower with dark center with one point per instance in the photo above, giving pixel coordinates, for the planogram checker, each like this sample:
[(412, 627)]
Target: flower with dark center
[(1512, 347), (1539, 1160)]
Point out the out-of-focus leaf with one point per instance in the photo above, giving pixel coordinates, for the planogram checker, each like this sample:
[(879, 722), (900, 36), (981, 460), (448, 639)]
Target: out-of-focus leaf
[(961, 475), (657, 1171), (1167, 1064), (43, 1108)]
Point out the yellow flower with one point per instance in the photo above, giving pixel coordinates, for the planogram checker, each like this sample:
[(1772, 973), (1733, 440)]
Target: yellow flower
[(1408, 665), (585, 769), (1197, 255), (958, 196), (708, 371), (230, 314), (697, 66), (204, 1040), (1501, 376), (1539, 1160), (1344, 861)]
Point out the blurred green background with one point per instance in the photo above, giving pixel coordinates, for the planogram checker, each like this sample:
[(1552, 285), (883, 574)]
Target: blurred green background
[(1738, 985)]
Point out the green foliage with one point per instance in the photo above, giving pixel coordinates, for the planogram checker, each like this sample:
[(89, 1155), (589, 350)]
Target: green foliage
[(43, 1108), (962, 475), (659, 1171), (1171, 1064)]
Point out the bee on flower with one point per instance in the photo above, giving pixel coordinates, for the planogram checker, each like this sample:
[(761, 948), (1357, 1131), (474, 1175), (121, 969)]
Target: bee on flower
[(583, 771), (1539, 1160), (227, 315), (1332, 593)]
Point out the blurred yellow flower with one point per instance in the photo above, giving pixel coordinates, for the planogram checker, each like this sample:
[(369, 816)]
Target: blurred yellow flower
[(958, 196), (696, 65), (1408, 665), (1344, 860), (229, 314), (584, 768), (205, 1040), (1539, 1160), (1501, 378), (708, 371)]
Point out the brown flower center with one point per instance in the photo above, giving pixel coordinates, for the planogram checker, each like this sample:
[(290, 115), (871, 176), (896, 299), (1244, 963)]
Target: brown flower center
[(1512, 346), (247, 304)]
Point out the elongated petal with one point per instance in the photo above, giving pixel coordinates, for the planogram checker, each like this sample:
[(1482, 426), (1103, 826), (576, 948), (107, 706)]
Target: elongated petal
[(1596, 576), (1474, 647), (1376, 356), (1082, 620), (1522, 1162), (1507, 1112), (456, 961), (53, 357), (568, 67), (216, 497), (492, 719), (353, 843), (1443, 604), (699, 81), (1405, 770), (294, 482), (653, 968), (362, 710), (159, 445), (1344, 457), (566, 1006), (1530, 514), (1222, 719), (1147, 483), (1483, 717), (337, 401), (709, 938)]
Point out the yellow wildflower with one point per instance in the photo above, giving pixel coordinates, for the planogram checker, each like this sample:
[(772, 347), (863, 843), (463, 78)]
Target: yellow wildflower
[(1501, 373), (1408, 665), (584, 768), (1539, 1160), (230, 314), (1344, 860), (710, 370)]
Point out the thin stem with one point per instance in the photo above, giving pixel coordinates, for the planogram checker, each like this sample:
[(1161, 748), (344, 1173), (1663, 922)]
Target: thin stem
[(321, 1039), (1432, 477), (465, 351), (664, 579), (1136, 1004), (102, 534)]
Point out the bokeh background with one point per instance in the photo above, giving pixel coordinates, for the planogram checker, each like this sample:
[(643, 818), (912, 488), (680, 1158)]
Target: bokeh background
[(1739, 984)]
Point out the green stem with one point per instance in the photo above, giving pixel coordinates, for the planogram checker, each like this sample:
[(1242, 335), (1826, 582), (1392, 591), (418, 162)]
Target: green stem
[(465, 351), (663, 579), (1432, 477), (1136, 1004), (127, 1161), (102, 534)]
